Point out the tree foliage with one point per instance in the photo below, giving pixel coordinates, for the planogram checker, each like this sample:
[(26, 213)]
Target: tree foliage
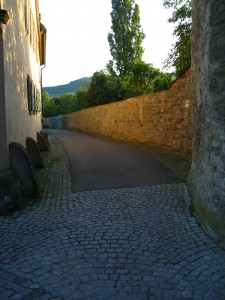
[(64, 104), (126, 36), (103, 89), (49, 108), (144, 79), (179, 56)]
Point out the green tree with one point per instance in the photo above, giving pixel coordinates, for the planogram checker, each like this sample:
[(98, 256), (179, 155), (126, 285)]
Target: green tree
[(144, 79), (162, 82), (104, 88), (65, 104), (126, 36), (138, 81), (49, 108), (179, 56), (82, 98)]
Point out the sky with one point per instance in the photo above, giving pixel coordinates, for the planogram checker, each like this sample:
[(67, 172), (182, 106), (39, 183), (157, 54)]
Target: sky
[(77, 31)]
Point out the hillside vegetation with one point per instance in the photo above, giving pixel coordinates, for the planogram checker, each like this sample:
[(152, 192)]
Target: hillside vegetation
[(72, 87)]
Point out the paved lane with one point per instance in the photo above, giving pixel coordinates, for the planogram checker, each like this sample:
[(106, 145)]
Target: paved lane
[(136, 243), (97, 163)]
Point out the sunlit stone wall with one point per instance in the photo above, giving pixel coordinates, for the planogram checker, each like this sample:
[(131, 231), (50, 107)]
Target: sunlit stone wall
[(162, 119)]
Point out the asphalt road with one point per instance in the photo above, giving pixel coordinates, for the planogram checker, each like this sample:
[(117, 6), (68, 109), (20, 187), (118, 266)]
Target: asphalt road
[(98, 163)]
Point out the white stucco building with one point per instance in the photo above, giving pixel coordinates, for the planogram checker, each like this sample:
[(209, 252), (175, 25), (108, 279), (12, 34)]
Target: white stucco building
[(22, 57)]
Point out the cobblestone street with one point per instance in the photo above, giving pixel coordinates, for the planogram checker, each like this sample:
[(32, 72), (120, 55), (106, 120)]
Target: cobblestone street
[(127, 243)]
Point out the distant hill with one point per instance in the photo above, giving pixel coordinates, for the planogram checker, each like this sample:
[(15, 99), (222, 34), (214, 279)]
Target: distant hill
[(71, 87)]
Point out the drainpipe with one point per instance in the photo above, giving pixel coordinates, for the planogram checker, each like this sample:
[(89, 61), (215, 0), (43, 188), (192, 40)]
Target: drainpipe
[(42, 58), (4, 163), (42, 67)]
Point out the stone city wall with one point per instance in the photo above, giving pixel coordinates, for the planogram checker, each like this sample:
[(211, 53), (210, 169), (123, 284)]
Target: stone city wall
[(207, 178), (162, 119)]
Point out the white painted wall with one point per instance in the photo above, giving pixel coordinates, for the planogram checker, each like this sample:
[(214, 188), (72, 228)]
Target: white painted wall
[(20, 60)]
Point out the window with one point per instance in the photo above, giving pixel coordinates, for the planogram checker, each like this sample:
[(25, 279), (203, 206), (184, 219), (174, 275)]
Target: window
[(27, 16), (30, 27), (29, 93), (33, 97)]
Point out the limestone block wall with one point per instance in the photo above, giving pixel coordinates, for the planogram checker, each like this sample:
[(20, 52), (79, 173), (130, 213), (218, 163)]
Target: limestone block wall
[(162, 119), (207, 178)]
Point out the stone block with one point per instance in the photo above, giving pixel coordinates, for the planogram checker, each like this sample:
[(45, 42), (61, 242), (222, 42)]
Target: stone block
[(42, 144), (12, 195), (34, 153), (45, 136), (23, 169)]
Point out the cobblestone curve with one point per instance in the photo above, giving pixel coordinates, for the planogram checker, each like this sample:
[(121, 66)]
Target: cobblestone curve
[(135, 243)]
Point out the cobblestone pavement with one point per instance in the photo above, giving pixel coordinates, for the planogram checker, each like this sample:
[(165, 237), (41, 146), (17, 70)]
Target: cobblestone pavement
[(135, 243)]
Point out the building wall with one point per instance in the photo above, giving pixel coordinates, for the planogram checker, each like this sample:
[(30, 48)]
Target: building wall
[(162, 119), (21, 58), (207, 178), (3, 137)]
